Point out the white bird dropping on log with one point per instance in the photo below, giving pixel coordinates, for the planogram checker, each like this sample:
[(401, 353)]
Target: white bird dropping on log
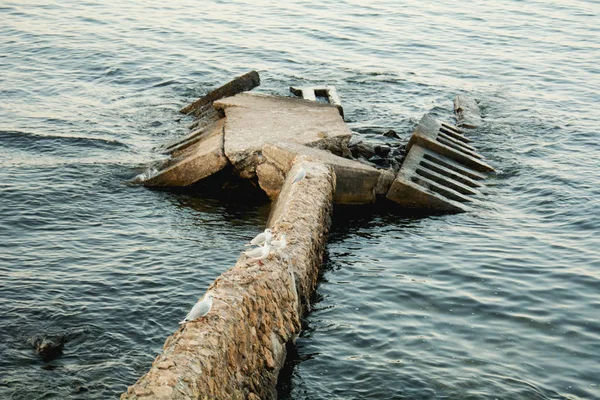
[(280, 244), (200, 309), (259, 253), (263, 237), (300, 175)]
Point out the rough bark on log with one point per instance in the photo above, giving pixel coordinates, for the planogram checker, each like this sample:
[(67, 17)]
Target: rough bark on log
[(237, 350)]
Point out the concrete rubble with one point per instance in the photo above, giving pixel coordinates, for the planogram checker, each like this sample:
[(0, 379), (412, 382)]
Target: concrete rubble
[(467, 112), (193, 159), (237, 350), (253, 120), (448, 141), (258, 136), (326, 92), (356, 182), (441, 170)]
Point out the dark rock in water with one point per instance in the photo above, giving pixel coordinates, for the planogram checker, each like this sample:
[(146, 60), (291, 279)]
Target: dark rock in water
[(391, 134), (362, 150), (346, 153), (367, 162), (380, 161), (81, 389), (382, 151), (48, 346), (399, 152), (354, 140)]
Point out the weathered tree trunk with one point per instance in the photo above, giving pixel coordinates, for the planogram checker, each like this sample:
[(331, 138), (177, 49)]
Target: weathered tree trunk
[(237, 350)]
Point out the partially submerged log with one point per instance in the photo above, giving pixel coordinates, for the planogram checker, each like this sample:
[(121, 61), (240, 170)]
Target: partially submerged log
[(467, 112), (236, 352), (240, 84)]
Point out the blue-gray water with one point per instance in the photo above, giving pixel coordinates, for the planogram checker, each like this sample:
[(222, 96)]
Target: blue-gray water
[(502, 302)]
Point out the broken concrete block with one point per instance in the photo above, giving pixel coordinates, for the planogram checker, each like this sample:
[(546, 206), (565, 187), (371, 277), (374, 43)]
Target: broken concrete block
[(355, 182), (467, 112), (270, 179), (253, 120), (205, 116), (362, 149), (311, 93), (240, 84), (430, 181), (386, 178), (179, 145), (194, 161), (449, 141)]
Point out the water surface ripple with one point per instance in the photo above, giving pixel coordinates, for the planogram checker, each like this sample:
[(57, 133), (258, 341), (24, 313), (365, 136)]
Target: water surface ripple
[(502, 302)]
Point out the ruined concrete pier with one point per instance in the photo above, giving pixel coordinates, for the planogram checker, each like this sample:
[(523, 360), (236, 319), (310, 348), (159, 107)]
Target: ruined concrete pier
[(236, 352)]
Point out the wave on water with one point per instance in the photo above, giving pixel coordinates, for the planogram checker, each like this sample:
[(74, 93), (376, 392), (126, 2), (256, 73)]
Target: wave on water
[(42, 142)]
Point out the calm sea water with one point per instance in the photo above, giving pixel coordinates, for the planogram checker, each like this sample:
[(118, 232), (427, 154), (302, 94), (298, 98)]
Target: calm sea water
[(502, 302)]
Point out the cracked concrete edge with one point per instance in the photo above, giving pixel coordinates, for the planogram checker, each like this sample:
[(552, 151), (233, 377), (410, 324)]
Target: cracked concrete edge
[(356, 183), (202, 158)]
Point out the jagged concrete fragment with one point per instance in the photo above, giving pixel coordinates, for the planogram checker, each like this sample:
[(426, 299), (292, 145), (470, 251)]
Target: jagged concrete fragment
[(386, 178), (270, 179), (430, 181), (194, 159), (178, 146), (311, 93), (240, 84), (237, 350), (253, 120), (355, 182), (449, 141), (467, 112)]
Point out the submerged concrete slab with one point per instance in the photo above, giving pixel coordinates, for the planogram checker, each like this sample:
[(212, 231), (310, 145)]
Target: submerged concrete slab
[(199, 158), (467, 112), (448, 141), (238, 349), (253, 120), (356, 183)]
